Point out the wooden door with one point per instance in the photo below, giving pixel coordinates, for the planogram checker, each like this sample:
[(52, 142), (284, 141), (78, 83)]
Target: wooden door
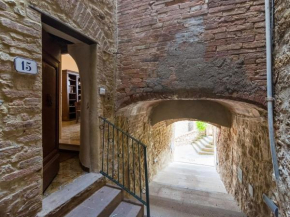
[(50, 114)]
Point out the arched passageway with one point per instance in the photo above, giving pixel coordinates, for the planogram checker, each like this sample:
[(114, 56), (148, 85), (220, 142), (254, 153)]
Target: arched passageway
[(243, 154)]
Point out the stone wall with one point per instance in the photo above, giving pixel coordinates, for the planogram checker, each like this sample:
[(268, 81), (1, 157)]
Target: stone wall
[(245, 146), (157, 138), (20, 95), (191, 49), (282, 95)]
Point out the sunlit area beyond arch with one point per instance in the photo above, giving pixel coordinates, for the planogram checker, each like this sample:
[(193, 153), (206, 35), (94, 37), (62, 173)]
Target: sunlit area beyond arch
[(194, 142)]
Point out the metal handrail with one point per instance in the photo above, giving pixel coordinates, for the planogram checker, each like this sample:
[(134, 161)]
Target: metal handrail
[(124, 162)]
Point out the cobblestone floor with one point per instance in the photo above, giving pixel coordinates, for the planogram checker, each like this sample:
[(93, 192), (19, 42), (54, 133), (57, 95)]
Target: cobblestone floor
[(69, 170)]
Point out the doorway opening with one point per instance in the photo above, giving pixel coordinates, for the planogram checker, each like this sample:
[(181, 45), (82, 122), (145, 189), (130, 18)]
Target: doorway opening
[(61, 114), (71, 92), (194, 142)]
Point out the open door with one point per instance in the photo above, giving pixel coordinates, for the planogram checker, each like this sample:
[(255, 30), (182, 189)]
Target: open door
[(50, 106)]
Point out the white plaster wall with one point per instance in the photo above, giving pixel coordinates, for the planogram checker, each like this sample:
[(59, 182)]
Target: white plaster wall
[(182, 127)]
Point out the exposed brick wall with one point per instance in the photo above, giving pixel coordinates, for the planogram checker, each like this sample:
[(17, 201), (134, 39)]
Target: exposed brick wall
[(282, 95), (94, 18), (20, 111), (191, 49), (246, 146)]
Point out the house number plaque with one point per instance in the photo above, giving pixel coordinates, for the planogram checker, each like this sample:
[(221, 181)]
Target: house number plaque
[(25, 66)]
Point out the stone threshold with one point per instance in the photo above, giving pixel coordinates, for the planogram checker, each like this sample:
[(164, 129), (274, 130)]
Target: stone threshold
[(69, 147), (61, 202)]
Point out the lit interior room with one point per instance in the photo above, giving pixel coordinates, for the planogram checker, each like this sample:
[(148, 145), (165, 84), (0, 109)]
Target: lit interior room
[(70, 106)]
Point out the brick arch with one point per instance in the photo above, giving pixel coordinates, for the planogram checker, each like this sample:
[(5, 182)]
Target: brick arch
[(87, 17)]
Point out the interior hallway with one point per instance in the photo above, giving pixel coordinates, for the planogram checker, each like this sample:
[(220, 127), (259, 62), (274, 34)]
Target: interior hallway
[(190, 190), (70, 133)]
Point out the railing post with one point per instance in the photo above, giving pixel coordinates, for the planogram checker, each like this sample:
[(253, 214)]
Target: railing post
[(104, 124), (113, 156), (123, 155), (147, 182), (140, 179), (108, 149)]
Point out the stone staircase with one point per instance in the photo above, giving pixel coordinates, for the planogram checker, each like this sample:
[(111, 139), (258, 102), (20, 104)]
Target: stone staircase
[(107, 202), (88, 196), (204, 146)]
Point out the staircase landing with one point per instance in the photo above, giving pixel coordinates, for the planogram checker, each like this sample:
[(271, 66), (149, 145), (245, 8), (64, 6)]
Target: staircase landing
[(187, 154), (189, 190)]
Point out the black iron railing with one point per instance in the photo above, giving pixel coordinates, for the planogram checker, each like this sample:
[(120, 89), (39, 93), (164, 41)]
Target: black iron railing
[(124, 162)]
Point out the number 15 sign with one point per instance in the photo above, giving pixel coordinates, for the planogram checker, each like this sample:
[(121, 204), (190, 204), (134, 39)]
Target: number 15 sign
[(26, 66)]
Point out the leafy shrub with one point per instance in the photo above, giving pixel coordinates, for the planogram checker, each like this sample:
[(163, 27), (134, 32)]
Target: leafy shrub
[(201, 126)]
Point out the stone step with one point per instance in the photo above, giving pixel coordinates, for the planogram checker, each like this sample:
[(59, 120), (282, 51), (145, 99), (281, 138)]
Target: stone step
[(125, 209), (195, 196), (70, 147), (59, 203), (205, 142), (206, 153), (100, 204), (202, 151), (208, 149), (201, 146), (209, 146), (208, 139), (175, 207), (196, 148)]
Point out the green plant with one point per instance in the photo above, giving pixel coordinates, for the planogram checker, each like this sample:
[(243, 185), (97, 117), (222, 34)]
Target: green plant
[(201, 126)]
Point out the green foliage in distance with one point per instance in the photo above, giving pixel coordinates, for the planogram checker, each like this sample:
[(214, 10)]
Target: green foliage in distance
[(201, 126)]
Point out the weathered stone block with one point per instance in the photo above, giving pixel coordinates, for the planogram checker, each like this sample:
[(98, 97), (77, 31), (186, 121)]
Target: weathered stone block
[(20, 173)]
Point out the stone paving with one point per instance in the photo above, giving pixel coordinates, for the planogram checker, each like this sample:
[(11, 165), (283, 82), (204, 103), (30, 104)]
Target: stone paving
[(190, 190), (69, 170), (184, 152)]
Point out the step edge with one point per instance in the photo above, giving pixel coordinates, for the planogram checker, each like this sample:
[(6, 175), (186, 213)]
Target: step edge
[(141, 210), (61, 203)]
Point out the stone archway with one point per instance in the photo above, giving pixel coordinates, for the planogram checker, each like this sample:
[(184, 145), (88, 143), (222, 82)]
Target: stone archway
[(242, 141), (208, 111), (85, 57)]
